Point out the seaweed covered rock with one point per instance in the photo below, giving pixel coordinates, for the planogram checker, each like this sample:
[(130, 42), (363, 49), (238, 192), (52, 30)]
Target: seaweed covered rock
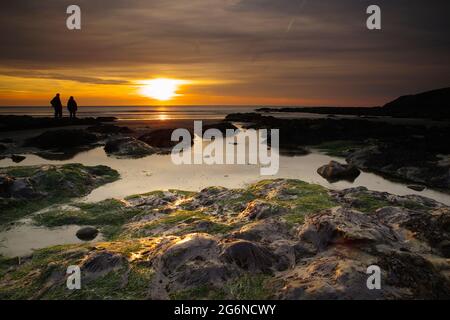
[(6, 183), (128, 147), (28, 189), (199, 245), (101, 263), (161, 138), (257, 210), (407, 160)]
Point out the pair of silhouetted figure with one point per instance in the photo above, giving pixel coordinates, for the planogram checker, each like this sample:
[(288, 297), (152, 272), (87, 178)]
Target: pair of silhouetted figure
[(58, 107)]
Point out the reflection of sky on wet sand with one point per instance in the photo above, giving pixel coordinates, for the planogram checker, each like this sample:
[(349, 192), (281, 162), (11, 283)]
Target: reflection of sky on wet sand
[(22, 238), (157, 172)]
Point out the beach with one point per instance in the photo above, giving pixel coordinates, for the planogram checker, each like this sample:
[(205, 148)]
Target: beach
[(146, 184)]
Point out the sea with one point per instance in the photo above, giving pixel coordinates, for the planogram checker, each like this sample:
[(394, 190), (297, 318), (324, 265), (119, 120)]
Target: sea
[(139, 113)]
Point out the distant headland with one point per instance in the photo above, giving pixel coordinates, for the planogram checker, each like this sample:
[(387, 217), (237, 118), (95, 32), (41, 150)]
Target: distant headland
[(433, 104)]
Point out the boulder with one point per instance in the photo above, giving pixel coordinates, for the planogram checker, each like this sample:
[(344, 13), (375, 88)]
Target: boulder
[(87, 233), (345, 227), (249, 256), (334, 171), (195, 247), (62, 139), (417, 187), (265, 230), (128, 147), (161, 138), (17, 159)]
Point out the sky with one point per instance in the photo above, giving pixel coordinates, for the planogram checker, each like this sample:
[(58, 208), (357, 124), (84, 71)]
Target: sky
[(220, 52)]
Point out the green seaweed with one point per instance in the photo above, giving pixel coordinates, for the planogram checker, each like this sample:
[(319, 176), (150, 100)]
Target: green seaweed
[(57, 184), (339, 148)]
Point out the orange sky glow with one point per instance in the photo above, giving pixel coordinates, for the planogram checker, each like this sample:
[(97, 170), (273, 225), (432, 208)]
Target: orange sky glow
[(216, 52)]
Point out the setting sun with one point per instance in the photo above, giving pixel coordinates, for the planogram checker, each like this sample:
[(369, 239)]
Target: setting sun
[(161, 89)]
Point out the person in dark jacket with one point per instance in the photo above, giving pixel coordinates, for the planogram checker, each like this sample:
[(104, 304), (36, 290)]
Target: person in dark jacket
[(57, 106), (73, 107)]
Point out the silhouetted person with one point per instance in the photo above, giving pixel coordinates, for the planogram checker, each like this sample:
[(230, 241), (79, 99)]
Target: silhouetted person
[(73, 107), (57, 106)]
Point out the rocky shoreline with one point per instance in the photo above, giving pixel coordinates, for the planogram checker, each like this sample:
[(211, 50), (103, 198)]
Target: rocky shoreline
[(277, 239), (416, 154)]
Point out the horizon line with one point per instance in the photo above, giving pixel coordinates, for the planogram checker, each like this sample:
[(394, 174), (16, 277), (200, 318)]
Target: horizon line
[(194, 105)]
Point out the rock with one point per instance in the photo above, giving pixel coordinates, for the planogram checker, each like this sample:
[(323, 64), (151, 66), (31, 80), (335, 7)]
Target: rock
[(213, 250), (221, 126), (431, 227), (110, 129), (328, 277), (6, 183), (128, 147), (406, 160), (6, 140), (62, 139), (334, 171), (48, 184), (258, 210), (193, 247), (417, 187), (264, 231), (161, 138), (414, 272), (13, 122), (344, 226), (17, 159), (99, 264), (249, 256), (22, 188), (87, 233)]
